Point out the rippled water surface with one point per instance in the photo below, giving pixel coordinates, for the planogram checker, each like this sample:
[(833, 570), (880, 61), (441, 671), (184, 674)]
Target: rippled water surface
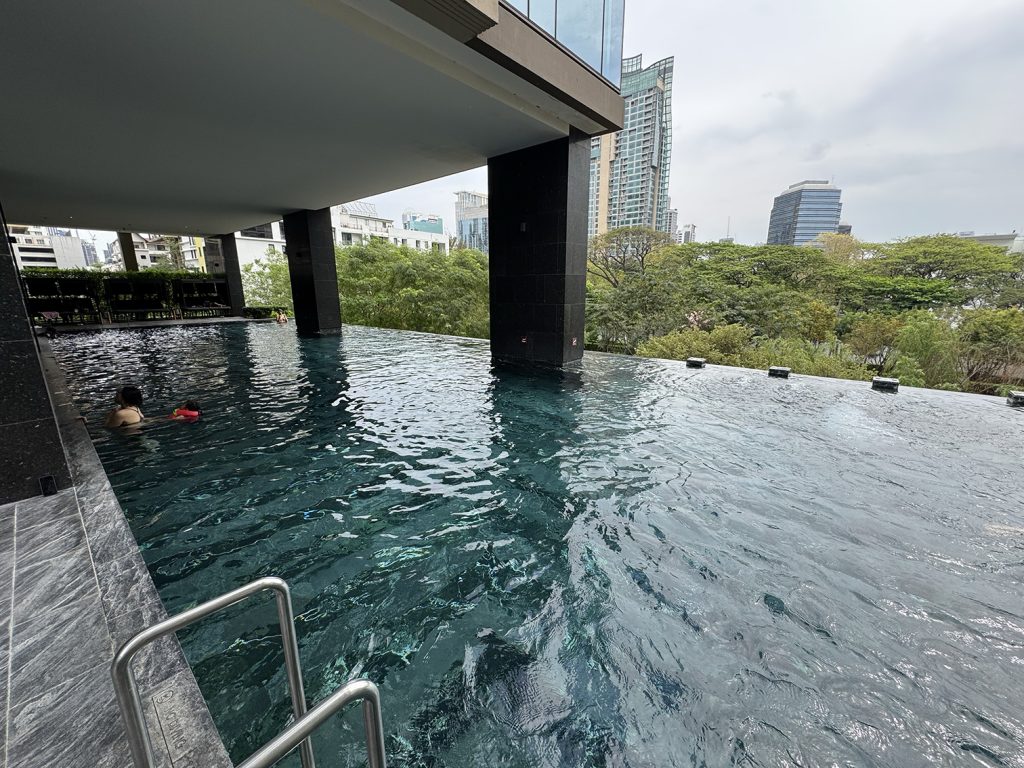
[(632, 564)]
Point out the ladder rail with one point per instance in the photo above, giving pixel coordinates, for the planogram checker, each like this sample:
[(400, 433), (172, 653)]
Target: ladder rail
[(127, 690), (300, 731)]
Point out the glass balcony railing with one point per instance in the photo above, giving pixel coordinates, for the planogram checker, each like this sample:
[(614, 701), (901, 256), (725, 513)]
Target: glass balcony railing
[(591, 29)]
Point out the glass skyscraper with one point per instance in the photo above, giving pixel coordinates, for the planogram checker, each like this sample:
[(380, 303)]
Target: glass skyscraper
[(629, 170), (803, 212), (471, 220)]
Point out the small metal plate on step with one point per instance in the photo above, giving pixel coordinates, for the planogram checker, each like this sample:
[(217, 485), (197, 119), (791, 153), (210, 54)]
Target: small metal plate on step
[(883, 384)]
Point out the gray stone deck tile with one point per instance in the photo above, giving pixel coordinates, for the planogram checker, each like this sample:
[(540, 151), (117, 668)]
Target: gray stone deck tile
[(4, 668), (124, 582), (73, 725), (47, 509), (41, 543), (58, 646), (51, 585), (156, 663)]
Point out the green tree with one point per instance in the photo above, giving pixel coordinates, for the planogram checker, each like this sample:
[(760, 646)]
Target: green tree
[(266, 283), (979, 271), (845, 249), (992, 344), (930, 343), (623, 251), (818, 321), (391, 286), (873, 336), (640, 306)]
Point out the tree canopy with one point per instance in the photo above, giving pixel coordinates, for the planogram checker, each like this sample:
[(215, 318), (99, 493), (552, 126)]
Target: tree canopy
[(391, 286), (927, 306), (937, 311)]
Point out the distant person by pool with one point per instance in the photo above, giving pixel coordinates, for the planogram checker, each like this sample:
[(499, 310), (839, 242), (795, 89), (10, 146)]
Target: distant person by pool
[(190, 411), (282, 318), (129, 409)]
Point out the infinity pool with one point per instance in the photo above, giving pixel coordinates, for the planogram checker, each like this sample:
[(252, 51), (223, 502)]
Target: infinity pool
[(630, 564)]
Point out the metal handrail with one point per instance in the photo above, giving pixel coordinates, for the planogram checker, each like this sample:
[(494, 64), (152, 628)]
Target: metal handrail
[(127, 689), (300, 731)]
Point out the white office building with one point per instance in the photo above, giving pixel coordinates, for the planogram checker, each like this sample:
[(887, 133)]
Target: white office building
[(150, 251), (45, 247), (1013, 242), (254, 242), (359, 224), (673, 224), (688, 234)]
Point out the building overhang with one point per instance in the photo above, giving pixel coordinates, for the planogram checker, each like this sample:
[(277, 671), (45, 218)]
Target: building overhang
[(198, 117)]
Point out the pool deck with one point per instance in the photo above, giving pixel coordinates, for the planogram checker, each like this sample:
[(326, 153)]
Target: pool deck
[(73, 588), (157, 324)]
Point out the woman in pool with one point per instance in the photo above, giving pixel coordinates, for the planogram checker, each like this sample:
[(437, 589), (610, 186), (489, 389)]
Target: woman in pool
[(129, 409), (282, 318)]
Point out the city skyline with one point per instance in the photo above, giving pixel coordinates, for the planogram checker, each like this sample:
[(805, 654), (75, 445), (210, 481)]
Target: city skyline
[(925, 113)]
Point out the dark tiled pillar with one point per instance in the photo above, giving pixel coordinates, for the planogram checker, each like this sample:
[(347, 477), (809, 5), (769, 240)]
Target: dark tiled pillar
[(30, 447), (309, 245), (232, 273), (131, 261), (538, 251)]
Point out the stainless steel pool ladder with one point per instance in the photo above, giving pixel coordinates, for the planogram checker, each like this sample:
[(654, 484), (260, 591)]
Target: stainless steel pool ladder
[(297, 734)]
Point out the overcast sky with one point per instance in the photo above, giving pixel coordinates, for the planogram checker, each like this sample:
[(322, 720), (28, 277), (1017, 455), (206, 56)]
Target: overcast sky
[(914, 107)]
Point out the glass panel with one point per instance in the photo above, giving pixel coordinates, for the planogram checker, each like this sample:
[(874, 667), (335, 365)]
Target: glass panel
[(521, 5), (611, 66), (580, 28), (542, 13)]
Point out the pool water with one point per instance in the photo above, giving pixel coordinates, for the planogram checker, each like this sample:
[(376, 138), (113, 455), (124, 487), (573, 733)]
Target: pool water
[(628, 564)]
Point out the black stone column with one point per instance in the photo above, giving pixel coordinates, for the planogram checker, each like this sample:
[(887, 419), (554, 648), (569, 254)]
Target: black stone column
[(309, 246), (232, 272), (131, 261), (30, 446), (538, 251)]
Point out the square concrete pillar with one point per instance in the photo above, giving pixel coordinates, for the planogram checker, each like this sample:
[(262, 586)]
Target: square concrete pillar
[(30, 447), (309, 246), (232, 273), (131, 261), (538, 251)]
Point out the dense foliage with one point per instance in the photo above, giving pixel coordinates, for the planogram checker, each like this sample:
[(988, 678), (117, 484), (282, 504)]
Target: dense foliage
[(937, 311), (98, 275), (391, 286)]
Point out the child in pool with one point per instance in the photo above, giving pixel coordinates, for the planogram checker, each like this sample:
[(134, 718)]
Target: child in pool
[(190, 411)]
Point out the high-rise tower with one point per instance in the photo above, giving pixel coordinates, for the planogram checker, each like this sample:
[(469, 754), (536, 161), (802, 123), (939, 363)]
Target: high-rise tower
[(629, 169), (803, 212)]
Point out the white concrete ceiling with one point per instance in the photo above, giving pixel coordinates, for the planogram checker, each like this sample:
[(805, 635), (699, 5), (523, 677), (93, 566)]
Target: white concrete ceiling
[(198, 116)]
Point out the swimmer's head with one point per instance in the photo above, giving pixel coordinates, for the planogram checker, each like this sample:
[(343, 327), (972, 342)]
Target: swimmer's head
[(130, 396)]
